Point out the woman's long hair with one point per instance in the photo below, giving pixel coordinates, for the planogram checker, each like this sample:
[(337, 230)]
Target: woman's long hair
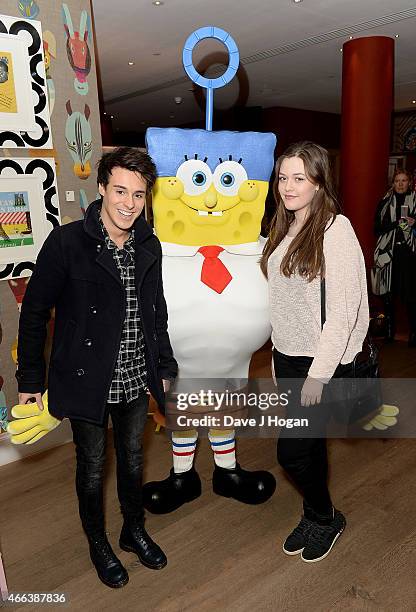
[(305, 254)]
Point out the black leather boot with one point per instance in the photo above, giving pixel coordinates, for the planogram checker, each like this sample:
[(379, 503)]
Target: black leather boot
[(389, 312), (246, 487), (411, 315), (170, 494), (134, 538), (109, 568)]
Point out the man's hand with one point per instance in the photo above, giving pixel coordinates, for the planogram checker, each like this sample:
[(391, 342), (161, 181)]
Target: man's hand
[(33, 421), (25, 397), (166, 385), (311, 392)]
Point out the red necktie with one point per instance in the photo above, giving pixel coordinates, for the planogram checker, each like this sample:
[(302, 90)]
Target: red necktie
[(214, 274)]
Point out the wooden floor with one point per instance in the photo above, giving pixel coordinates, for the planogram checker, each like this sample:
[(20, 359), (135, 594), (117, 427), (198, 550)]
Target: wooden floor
[(223, 555)]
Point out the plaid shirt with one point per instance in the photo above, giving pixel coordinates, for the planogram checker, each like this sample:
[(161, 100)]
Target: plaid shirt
[(129, 378)]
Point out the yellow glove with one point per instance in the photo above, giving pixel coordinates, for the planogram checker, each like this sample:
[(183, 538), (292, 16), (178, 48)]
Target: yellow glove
[(31, 423), (385, 418)]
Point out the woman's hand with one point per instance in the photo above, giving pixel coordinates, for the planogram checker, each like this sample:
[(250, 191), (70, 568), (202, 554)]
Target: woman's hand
[(311, 392), (410, 221)]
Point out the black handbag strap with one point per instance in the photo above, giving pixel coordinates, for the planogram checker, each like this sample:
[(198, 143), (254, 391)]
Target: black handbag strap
[(323, 303)]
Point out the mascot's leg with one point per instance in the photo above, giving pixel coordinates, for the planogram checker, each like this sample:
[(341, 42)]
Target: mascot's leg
[(230, 480), (183, 483)]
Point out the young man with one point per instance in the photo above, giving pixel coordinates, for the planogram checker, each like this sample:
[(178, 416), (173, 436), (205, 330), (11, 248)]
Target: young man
[(110, 346)]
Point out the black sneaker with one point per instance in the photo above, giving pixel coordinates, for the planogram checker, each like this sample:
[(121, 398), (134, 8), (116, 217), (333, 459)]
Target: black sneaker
[(322, 538), (297, 540)]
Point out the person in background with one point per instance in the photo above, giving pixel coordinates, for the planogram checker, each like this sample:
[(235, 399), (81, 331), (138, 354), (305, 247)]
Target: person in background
[(309, 241), (110, 347), (394, 273)]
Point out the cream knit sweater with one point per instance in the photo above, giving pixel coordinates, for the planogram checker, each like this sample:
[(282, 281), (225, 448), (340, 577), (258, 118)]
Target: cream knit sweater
[(295, 304)]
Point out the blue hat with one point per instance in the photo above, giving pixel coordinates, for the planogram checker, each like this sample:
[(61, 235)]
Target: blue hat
[(169, 146)]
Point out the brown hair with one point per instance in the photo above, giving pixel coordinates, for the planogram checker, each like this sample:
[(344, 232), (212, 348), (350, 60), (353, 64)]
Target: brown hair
[(129, 158), (305, 254)]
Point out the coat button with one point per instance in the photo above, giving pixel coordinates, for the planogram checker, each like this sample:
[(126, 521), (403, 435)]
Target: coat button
[(154, 307), (88, 342), (93, 310), (99, 247), (80, 372), (154, 336)]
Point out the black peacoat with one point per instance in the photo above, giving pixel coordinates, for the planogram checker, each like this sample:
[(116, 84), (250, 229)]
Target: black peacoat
[(76, 274)]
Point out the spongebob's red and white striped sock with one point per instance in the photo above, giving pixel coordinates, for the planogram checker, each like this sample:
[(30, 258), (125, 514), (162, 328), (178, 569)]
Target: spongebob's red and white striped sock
[(223, 446), (183, 450)]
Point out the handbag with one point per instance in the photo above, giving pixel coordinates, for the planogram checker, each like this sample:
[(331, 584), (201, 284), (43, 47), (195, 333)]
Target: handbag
[(354, 392)]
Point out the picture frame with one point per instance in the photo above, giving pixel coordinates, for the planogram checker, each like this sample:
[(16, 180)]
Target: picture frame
[(396, 162), (29, 34), (23, 227), (29, 210), (16, 111)]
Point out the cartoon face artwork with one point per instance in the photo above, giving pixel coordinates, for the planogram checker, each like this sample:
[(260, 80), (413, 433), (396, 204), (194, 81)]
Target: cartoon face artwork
[(211, 186), (79, 140), (18, 287), (49, 51), (77, 49), (28, 9)]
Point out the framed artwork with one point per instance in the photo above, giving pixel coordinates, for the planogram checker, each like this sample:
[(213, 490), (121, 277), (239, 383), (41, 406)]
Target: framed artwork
[(395, 162), (28, 212), (24, 110), (16, 110), (23, 226)]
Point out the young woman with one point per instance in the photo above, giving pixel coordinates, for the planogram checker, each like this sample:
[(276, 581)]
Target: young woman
[(309, 241), (394, 273)]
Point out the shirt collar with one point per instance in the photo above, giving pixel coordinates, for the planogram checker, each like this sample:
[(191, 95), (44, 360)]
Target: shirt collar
[(128, 245), (180, 250)]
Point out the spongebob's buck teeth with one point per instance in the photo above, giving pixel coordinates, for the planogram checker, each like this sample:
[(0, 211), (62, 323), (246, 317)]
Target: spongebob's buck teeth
[(205, 213)]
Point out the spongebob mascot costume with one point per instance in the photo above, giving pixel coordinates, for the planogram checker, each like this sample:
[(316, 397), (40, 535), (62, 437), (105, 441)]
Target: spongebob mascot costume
[(208, 204)]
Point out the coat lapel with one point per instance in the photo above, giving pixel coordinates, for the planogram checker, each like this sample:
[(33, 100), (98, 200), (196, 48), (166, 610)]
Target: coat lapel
[(106, 260)]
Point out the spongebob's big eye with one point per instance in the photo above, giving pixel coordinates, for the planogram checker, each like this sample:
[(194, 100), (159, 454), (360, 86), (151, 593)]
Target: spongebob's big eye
[(199, 179), (228, 177), (195, 175)]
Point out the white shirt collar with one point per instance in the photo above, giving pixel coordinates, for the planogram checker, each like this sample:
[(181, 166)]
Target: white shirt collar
[(170, 249)]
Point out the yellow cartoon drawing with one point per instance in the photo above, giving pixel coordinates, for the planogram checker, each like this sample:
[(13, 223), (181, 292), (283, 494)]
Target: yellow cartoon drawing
[(8, 102)]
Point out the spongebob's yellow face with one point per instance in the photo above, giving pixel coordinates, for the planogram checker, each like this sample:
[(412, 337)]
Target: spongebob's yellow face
[(201, 207)]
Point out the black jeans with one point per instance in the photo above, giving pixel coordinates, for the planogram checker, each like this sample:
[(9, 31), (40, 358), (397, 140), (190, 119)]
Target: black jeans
[(304, 459), (90, 441)]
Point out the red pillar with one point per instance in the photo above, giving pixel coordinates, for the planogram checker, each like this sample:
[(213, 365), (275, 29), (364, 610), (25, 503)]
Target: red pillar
[(367, 104)]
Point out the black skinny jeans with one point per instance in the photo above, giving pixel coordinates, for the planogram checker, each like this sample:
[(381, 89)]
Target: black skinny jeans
[(90, 442), (304, 459)]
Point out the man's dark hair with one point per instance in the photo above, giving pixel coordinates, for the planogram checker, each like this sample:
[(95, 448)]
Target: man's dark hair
[(130, 159)]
